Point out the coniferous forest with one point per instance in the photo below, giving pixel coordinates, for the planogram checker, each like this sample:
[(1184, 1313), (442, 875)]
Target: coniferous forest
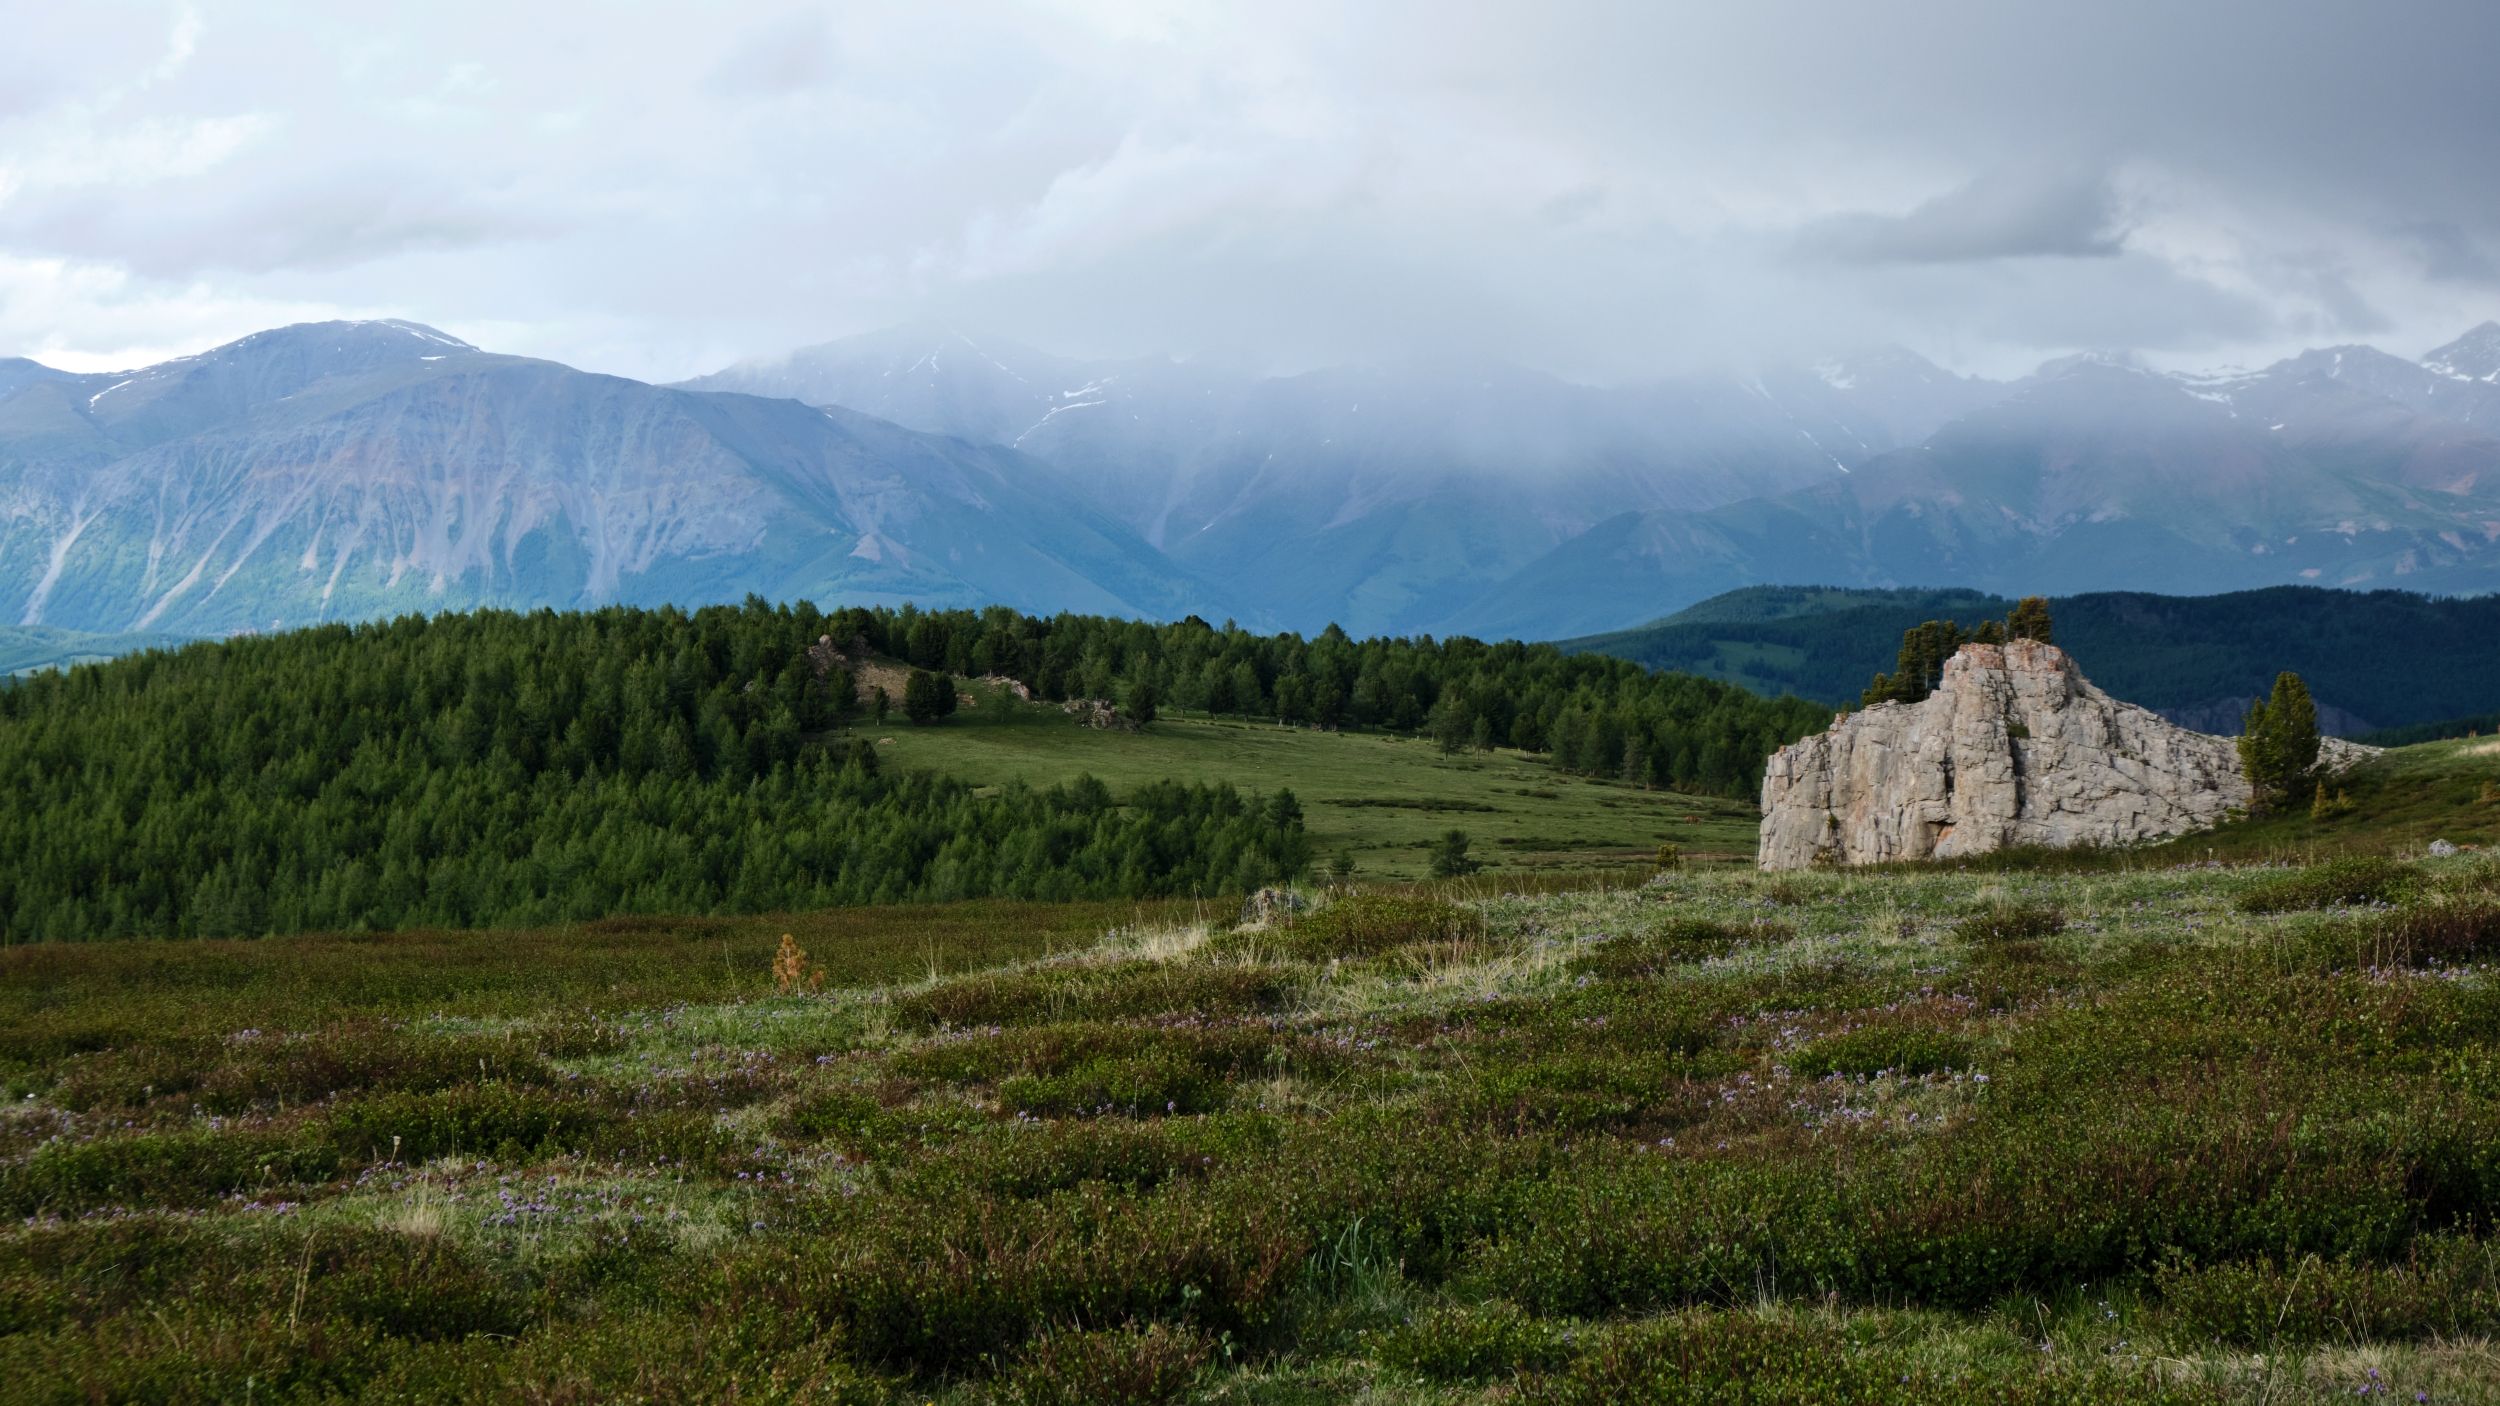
[(496, 769)]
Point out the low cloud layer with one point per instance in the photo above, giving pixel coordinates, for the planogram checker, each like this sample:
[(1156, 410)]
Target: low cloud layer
[(1608, 190)]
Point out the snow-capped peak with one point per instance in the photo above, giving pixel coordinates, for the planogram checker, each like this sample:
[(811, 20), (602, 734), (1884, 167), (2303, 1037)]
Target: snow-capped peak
[(2472, 357)]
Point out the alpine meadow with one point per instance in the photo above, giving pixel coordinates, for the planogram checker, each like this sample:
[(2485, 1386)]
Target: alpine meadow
[(1170, 704)]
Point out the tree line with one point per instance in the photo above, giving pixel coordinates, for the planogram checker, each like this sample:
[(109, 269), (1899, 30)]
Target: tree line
[(495, 768)]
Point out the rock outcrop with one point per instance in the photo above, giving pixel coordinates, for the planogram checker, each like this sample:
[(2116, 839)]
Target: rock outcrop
[(2013, 748), (1098, 713)]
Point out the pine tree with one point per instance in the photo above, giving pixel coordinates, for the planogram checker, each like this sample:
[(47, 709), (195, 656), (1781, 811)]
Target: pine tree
[(2279, 742), (1450, 859), (2030, 620), (927, 697)]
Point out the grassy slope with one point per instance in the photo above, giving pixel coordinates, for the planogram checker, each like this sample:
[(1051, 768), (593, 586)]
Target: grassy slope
[(1382, 796), (2400, 802), (1571, 1151)]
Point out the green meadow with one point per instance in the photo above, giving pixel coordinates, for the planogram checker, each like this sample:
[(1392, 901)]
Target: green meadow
[(2159, 1132), (1381, 796)]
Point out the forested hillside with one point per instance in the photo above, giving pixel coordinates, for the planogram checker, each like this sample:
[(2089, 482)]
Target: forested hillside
[(497, 769), (2379, 659), (492, 768)]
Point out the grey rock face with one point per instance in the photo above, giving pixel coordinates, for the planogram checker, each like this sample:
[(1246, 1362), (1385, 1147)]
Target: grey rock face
[(2014, 747)]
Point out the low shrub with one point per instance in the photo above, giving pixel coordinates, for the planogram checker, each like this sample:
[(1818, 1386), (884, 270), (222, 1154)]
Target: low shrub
[(1026, 1161), (83, 1270), (1474, 1343), (1103, 1068), (979, 1277), (1370, 924), (1908, 1051), (1749, 1359), (2434, 933), (1128, 1366), (1660, 950), (1646, 1095), (2347, 882), (481, 1120), (2445, 1286), (2008, 923), (401, 1286), (182, 1169), (287, 1070)]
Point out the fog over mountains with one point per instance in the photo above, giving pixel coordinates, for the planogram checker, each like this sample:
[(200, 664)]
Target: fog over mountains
[(342, 470)]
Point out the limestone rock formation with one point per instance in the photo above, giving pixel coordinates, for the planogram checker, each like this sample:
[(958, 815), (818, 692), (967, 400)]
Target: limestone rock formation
[(2014, 747)]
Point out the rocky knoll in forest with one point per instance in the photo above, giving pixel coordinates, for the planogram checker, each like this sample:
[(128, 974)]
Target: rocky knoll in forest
[(2014, 747)]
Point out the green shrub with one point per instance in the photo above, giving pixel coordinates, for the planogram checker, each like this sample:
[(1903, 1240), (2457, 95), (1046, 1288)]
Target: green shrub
[(1483, 1342), (1683, 940), (1745, 1359), (866, 1123), (1026, 1161), (1908, 1051), (352, 1058), (2444, 1287), (84, 1270), (979, 1277), (187, 1168), (1129, 1366), (2008, 923), (1651, 1094), (481, 1120), (2351, 881), (1369, 924), (2431, 933), (399, 1285)]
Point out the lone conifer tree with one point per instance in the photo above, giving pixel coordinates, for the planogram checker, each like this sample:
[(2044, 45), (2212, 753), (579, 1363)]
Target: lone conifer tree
[(2279, 741)]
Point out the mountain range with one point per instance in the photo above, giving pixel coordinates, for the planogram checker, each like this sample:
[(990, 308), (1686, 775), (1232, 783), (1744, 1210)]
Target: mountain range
[(342, 470)]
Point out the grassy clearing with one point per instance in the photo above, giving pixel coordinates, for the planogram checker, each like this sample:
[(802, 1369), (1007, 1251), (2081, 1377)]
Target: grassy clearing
[(1380, 795), (1875, 1137)]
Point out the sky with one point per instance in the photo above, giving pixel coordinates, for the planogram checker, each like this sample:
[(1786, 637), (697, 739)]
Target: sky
[(1609, 191)]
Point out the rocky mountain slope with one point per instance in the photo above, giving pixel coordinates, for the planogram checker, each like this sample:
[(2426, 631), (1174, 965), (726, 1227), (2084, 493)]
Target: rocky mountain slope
[(344, 470), (2090, 476), (1377, 497)]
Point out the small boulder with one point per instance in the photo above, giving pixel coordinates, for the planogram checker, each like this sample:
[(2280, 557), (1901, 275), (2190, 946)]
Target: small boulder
[(1270, 904)]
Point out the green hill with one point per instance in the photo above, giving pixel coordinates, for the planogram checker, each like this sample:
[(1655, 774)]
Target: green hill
[(2380, 659), (490, 769)]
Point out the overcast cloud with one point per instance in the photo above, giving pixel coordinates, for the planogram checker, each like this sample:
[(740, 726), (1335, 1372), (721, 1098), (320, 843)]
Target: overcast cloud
[(1604, 190)]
